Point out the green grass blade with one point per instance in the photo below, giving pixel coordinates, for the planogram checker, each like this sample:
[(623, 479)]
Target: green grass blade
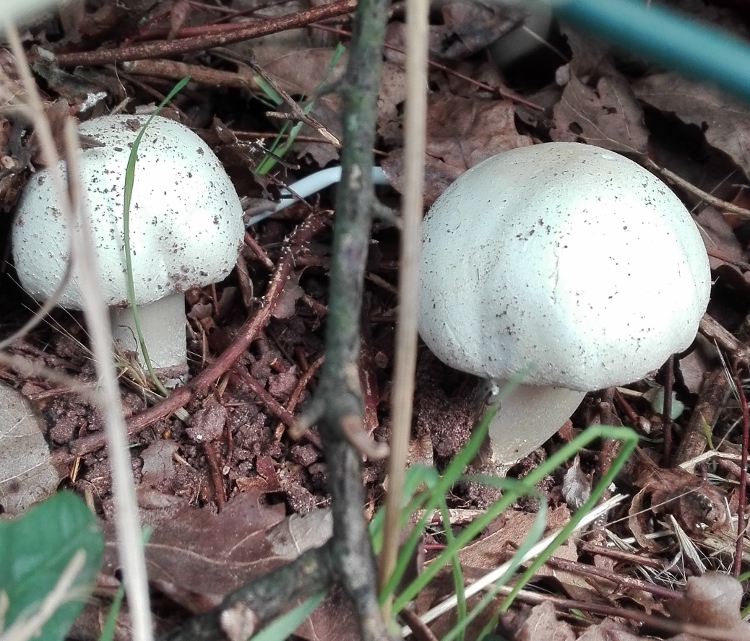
[(285, 625), (129, 182)]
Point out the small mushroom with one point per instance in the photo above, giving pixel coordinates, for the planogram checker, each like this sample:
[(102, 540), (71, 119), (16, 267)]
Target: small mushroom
[(563, 261), (186, 229)]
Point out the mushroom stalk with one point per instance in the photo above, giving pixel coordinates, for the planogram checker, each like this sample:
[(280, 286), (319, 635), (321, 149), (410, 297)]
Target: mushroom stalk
[(526, 412), (163, 327)]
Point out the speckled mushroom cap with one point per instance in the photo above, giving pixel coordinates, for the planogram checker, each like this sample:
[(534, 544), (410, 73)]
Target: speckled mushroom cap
[(185, 217), (566, 259)]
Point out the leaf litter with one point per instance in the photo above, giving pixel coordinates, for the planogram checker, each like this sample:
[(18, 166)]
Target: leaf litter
[(590, 94)]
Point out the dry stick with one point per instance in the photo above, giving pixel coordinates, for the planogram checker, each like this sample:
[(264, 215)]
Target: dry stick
[(621, 580), (302, 382), (270, 403), (337, 404), (703, 195), (258, 601), (713, 395), (171, 69), (670, 626), (214, 469), (742, 492), (738, 352), (246, 335), (297, 113), (408, 285), (168, 48), (86, 268)]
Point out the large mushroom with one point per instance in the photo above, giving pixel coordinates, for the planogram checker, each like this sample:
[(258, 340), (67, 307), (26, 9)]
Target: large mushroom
[(186, 229), (564, 261)]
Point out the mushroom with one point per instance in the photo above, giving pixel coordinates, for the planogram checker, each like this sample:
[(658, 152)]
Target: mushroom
[(186, 229), (563, 261)]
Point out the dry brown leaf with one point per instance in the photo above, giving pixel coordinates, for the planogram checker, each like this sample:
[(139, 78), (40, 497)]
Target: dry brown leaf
[(487, 553), (196, 557), (301, 72), (158, 465), (725, 122), (608, 630), (26, 474), (694, 502), (461, 132), (207, 424), (542, 625), (608, 116)]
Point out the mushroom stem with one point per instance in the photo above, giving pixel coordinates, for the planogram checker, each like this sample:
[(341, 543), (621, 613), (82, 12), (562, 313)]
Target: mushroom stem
[(163, 328), (528, 416)]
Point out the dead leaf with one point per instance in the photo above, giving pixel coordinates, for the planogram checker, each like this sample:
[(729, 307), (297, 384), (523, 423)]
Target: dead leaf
[(196, 557), (695, 503), (608, 630), (608, 116), (542, 625), (469, 27), (300, 72), (461, 132), (724, 121), (26, 474)]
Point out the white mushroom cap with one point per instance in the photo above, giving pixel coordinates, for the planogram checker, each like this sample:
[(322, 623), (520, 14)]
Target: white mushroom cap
[(185, 217), (566, 260)]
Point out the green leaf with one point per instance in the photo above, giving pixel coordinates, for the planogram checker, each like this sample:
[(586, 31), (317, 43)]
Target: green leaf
[(36, 548)]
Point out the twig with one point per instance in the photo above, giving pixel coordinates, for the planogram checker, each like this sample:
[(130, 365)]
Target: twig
[(167, 48), (215, 472), (712, 397), (501, 91), (71, 202), (742, 491), (264, 598), (720, 204), (302, 382), (174, 70), (297, 112), (738, 352), (405, 348), (669, 626), (621, 580), (337, 403), (488, 579)]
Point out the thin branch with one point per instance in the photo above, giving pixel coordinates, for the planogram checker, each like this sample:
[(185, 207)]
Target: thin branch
[(167, 48), (264, 598), (86, 270), (338, 397), (408, 284)]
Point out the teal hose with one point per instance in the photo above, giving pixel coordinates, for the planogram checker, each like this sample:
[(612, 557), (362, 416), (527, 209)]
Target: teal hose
[(665, 36)]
